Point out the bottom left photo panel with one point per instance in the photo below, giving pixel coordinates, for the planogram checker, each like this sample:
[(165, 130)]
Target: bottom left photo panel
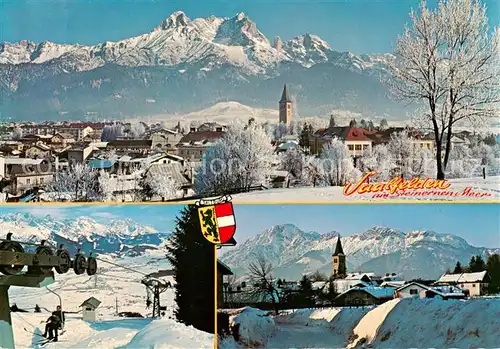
[(106, 276)]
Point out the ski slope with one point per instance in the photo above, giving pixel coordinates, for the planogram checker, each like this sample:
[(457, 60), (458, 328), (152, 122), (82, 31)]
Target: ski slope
[(120, 333), (116, 288)]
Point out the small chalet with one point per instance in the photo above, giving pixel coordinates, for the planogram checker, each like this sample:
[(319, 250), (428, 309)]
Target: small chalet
[(88, 309), (413, 289), (363, 296), (476, 284)]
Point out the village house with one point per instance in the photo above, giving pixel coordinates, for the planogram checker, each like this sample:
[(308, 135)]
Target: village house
[(11, 146), (410, 290), (24, 174), (360, 140), (164, 139), (32, 139), (192, 146), (61, 140), (38, 151), (356, 139), (419, 139), (364, 296), (475, 284), (208, 127), (182, 177), (79, 153), (417, 290), (444, 292), (77, 130)]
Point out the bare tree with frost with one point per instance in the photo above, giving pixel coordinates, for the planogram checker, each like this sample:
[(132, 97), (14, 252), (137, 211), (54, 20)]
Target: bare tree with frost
[(293, 161), (337, 164), (243, 157), (161, 183), (79, 182), (17, 133), (380, 160), (462, 164), (137, 130), (448, 62), (111, 132), (313, 171)]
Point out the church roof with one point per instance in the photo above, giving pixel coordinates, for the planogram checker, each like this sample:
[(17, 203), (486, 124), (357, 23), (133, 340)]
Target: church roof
[(338, 248), (284, 96)]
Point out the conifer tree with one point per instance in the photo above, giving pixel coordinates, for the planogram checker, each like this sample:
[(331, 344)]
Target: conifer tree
[(493, 267), (192, 259), (476, 264), (458, 269)]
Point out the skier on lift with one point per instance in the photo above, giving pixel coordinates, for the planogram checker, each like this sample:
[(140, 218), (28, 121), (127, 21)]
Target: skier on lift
[(54, 323)]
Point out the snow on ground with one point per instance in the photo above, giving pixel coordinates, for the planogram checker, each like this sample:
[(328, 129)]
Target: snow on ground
[(436, 323), (110, 285), (368, 326), (487, 189), (316, 328), (163, 334), (255, 326), (399, 323), (122, 333)]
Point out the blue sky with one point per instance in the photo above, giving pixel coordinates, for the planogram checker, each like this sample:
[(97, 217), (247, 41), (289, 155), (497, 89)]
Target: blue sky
[(359, 26), (476, 223)]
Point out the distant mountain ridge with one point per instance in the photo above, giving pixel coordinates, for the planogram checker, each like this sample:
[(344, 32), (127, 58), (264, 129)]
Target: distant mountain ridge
[(416, 254), (118, 238), (184, 65)]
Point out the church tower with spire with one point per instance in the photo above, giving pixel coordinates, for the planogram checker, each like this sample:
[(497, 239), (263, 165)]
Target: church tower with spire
[(285, 107), (339, 261)]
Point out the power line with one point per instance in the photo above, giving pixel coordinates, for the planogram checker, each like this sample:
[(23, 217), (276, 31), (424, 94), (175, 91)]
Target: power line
[(121, 266)]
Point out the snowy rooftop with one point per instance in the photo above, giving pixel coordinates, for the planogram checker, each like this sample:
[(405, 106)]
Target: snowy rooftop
[(359, 276), (448, 291), (378, 292), (22, 161), (463, 277)]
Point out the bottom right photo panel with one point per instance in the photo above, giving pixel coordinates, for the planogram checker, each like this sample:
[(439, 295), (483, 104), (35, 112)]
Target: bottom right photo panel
[(361, 275)]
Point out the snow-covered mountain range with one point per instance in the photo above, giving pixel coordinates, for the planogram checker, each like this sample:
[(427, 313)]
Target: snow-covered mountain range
[(119, 238), (184, 64), (294, 252)]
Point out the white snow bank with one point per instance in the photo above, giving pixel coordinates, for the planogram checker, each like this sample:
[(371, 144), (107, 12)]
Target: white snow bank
[(309, 317), (255, 326), (435, 323), (367, 328), (346, 320), (168, 334)]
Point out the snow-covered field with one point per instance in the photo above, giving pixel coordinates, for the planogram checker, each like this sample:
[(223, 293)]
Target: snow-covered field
[(405, 323), (475, 189), (114, 287)]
